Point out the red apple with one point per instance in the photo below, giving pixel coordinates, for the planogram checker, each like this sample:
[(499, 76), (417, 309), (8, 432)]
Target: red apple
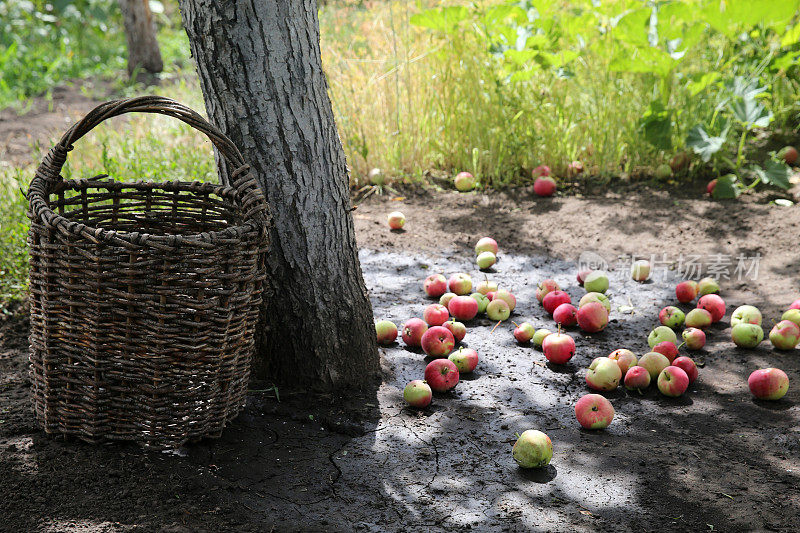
[(542, 171), (548, 285), (458, 329), (396, 220), (581, 276), (788, 154), (624, 358), (545, 186), (486, 244), (637, 378), (711, 186), (714, 305), (694, 338), (435, 285), (524, 333), (679, 161), (438, 342), (417, 394), (603, 374), (667, 349), (592, 317), (594, 411), (574, 168), (698, 318), (386, 331), (785, 335), (558, 348), (465, 359), (463, 307), (436, 314), (412, 332), (460, 283), (768, 383), (565, 314), (687, 365), (554, 299), (686, 291), (795, 304), (507, 297), (441, 375), (673, 381)]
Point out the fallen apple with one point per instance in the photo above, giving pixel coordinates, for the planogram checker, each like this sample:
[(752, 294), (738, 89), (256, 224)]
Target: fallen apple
[(673, 381), (592, 317), (603, 374), (441, 375), (768, 383), (554, 299), (595, 297), (482, 300), (498, 310), (396, 220), (637, 378), (792, 315), (465, 359), (574, 168), (558, 348), (565, 314), (437, 342), (523, 332), (460, 283), (661, 334), (386, 331), (795, 304), (663, 172), (412, 332), (785, 335), (435, 285), (539, 336), (544, 186), (594, 411), (654, 362), (686, 291), (624, 358), (547, 286), (788, 154), (458, 329), (640, 270), (679, 161), (698, 318), (671, 316), (694, 338), (446, 297), (464, 181), (540, 171), (714, 305), (507, 297), (597, 281), (486, 244), (707, 286), (417, 394), (533, 449), (376, 176), (710, 186), (486, 286), (668, 349), (746, 314), (581, 276), (463, 307), (687, 365), (747, 335), (485, 260), (436, 314)]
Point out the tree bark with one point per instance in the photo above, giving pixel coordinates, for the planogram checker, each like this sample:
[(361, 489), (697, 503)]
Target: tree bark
[(261, 74), (143, 50)]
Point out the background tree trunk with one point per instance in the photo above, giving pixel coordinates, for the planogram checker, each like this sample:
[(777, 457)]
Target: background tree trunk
[(143, 51), (261, 74)]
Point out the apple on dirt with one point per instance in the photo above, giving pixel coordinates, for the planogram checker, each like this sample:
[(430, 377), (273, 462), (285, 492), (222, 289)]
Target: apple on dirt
[(707, 286), (544, 186), (412, 332), (486, 244), (694, 338), (747, 314), (795, 304), (747, 335), (465, 359), (603, 374), (688, 365), (595, 297), (661, 334), (663, 172), (542, 171), (624, 358), (785, 335), (679, 161), (460, 284), (507, 297), (640, 271), (524, 332), (668, 349), (714, 305), (637, 378), (498, 310), (788, 154), (711, 185), (654, 362), (438, 342), (558, 348), (596, 281), (553, 299), (458, 329), (464, 181), (463, 307), (686, 291), (565, 314), (435, 314), (673, 381), (698, 318), (574, 168), (533, 449), (417, 394), (446, 297), (435, 285), (671, 316), (768, 383), (792, 315), (545, 287), (485, 260), (581, 276), (386, 331), (441, 375), (594, 411), (592, 317), (482, 300), (486, 286), (539, 336), (396, 220)]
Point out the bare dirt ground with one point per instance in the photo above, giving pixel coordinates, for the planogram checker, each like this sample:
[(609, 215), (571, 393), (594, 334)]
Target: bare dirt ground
[(714, 459)]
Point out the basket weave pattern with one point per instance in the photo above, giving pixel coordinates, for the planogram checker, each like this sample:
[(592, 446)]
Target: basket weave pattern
[(144, 296)]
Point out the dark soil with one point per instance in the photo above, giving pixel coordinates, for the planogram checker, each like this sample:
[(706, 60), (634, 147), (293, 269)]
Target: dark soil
[(712, 459)]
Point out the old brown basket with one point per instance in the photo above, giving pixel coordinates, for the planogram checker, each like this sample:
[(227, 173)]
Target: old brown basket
[(143, 296)]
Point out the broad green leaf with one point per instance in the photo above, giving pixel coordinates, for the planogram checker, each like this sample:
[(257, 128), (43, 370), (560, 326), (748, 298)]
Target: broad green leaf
[(791, 37), (642, 59), (751, 113), (445, 19), (702, 143), (775, 173), (559, 59), (656, 124), (727, 187), (699, 84), (633, 27)]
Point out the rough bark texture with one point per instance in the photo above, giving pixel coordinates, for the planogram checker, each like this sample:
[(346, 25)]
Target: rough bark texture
[(143, 51), (261, 74)]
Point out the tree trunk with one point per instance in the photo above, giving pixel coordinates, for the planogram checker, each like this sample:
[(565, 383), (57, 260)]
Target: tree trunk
[(261, 74), (143, 51)]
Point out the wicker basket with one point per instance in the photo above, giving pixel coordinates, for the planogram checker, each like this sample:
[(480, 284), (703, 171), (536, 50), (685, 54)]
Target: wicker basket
[(144, 296)]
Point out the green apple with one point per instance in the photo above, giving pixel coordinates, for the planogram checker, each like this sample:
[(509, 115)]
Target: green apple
[(747, 335), (498, 310), (746, 314), (707, 286), (661, 334), (595, 297), (533, 449), (482, 300), (539, 335), (597, 281), (654, 363)]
